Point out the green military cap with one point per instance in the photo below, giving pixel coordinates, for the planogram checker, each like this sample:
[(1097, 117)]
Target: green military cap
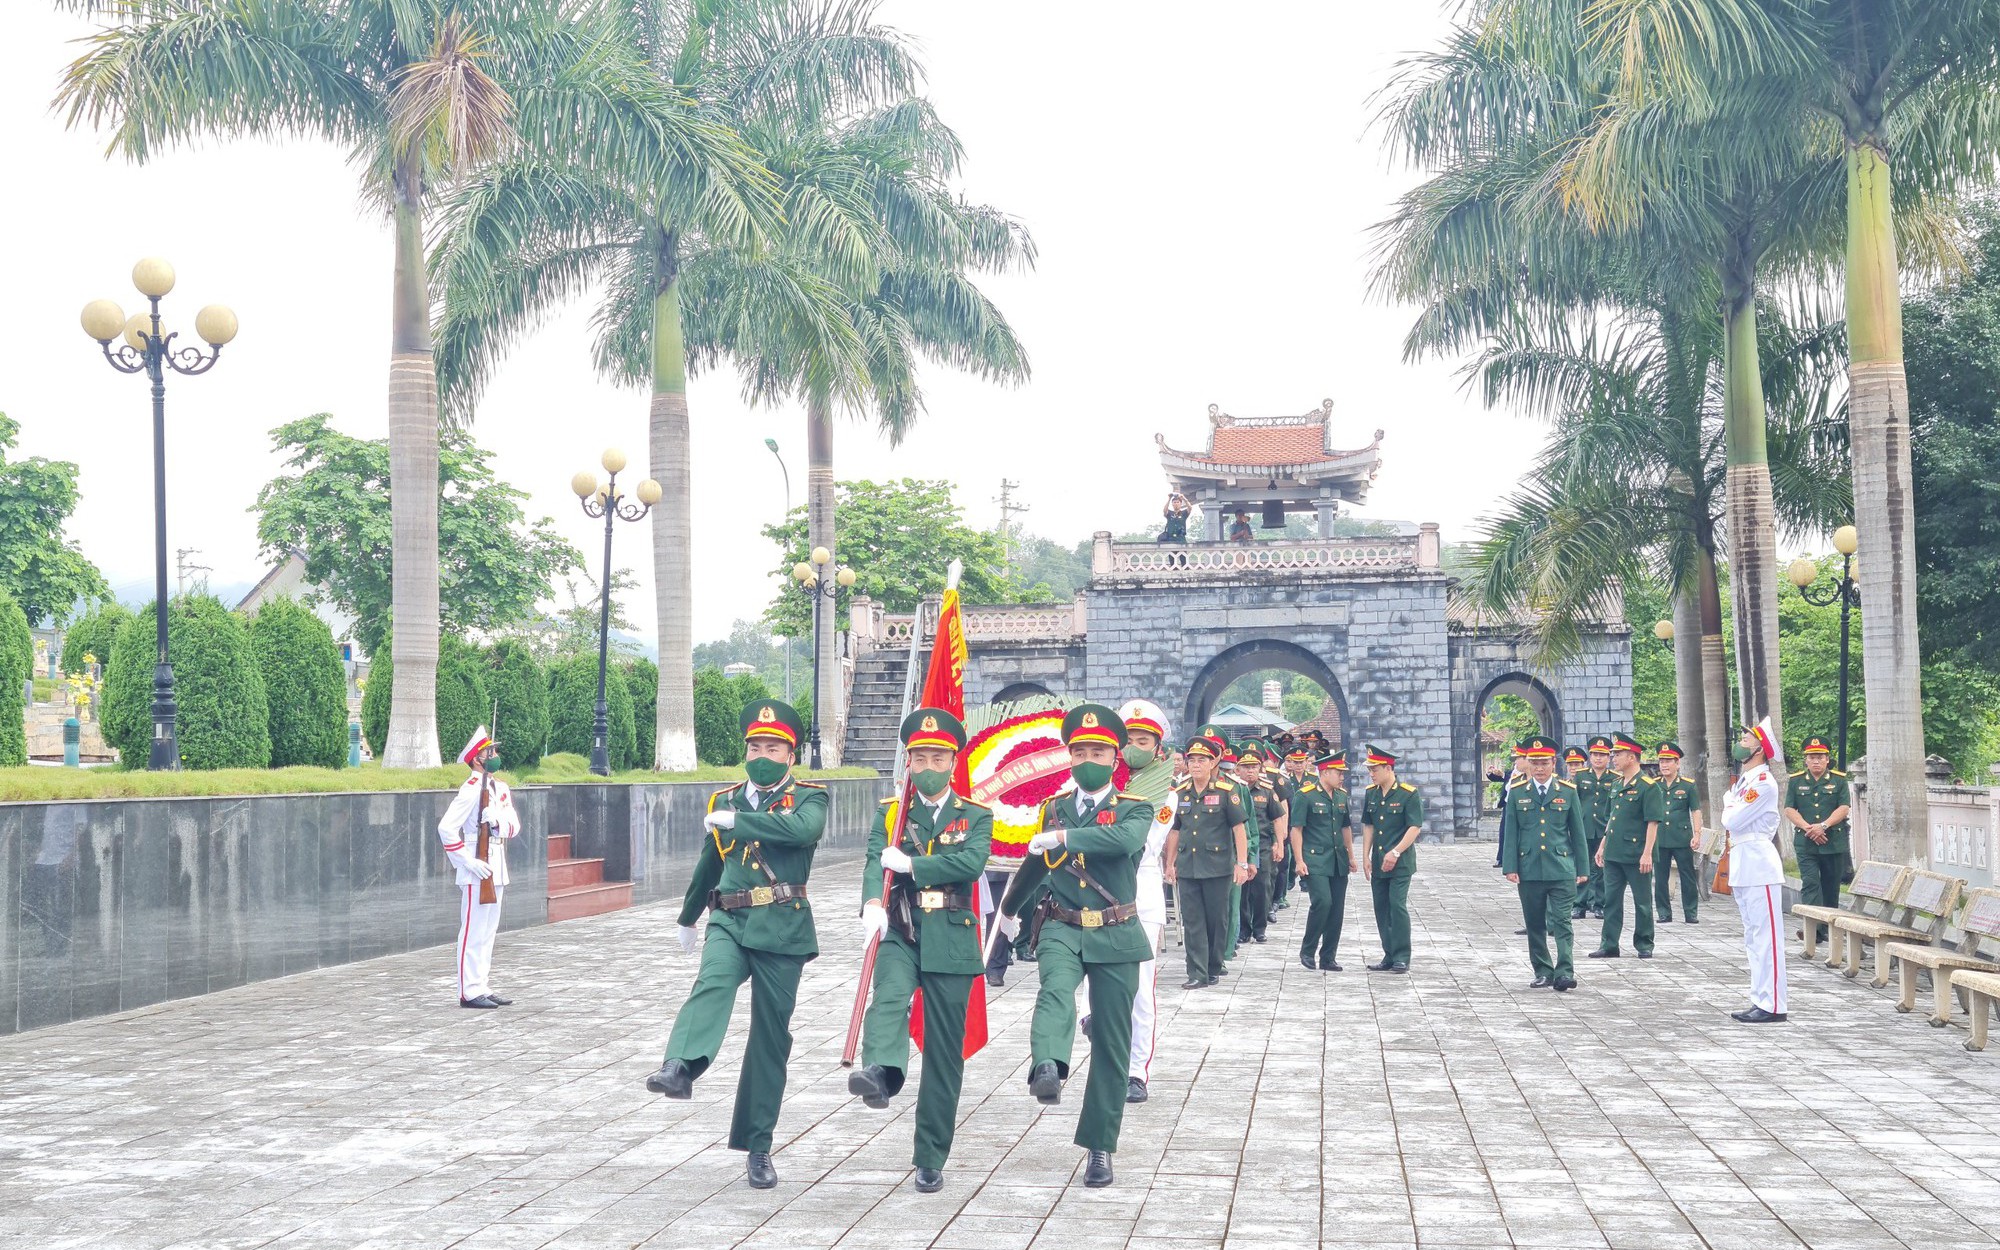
[(1599, 742), (772, 718), (1816, 745), (1377, 757), (1537, 747), (1250, 752), (933, 727), (1332, 759), (1573, 755), (1093, 722), (1622, 741), (1203, 746), (1668, 750)]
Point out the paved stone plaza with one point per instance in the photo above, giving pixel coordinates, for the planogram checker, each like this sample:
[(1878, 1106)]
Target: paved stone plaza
[(1453, 1107)]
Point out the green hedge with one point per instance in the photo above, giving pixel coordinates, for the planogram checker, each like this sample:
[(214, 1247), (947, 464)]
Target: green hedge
[(17, 661), (573, 705), (642, 681), (718, 738), (305, 685), (462, 702), (381, 680), (93, 634), (516, 683), (223, 719)]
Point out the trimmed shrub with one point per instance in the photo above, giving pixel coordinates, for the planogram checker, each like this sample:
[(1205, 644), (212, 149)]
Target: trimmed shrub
[(517, 684), (462, 702), (93, 634), (305, 685), (375, 703), (223, 719), (573, 708), (642, 681), (17, 660), (717, 737)]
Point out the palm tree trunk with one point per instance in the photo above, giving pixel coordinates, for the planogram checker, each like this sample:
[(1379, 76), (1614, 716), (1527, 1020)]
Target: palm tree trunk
[(819, 533), (1884, 515), (1714, 683), (1690, 718), (673, 526), (1753, 540), (413, 495)]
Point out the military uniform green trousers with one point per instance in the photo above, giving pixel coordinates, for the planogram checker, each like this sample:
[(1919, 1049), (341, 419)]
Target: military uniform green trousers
[(1255, 915), (1617, 879), (1205, 923), (1546, 907), (704, 1018), (1233, 911), (1392, 915), (1053, 1034), (1281, 879), (886, 1041), (1664, 865), (1591, 896), (1819, 879), (1328, 896)]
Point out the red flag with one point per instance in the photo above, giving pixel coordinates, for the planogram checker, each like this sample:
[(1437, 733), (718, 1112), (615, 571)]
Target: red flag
[(944, 687)]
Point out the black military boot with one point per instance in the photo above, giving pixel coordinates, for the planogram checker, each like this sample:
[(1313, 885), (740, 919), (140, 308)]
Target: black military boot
[(673, 1079)]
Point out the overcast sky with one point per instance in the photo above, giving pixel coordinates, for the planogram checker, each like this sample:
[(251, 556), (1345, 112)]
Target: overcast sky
[(1201, 192)]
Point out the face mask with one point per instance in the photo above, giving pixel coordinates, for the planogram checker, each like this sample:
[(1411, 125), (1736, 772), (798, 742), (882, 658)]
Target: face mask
[(1091, 777), (931, 780), (764, 771), (1137, 758), (1739, 753)]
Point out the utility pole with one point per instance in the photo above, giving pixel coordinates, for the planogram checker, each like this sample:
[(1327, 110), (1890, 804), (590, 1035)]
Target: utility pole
[(182, 568), (1008, 511)]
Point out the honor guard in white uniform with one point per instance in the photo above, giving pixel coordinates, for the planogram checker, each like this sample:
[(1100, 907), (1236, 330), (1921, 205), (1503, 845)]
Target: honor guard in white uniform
[(1152, 779), (475, 835), (1757, 870)]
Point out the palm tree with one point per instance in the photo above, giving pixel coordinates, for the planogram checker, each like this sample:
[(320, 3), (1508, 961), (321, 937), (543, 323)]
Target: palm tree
[(535, 231), (421, 92)]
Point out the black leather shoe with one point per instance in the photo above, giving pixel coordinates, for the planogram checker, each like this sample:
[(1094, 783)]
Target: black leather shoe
[(1259, 939), (1097, 1171), (1666, 919), (1541, 982), (504, 1002), (1645, 954), (1135, 1089), (1602, 955), (929, 1180), (1219, 973), (762, 1174), (1045, 1083), (1331, 966), (1381, 967), (1398, 968), (1564, 983), (871, 1085), (673, 1080), (1757, 1015), (1520, 933), (1307, 961), (1196, 985), (1597, 913), (484, 1002), (1690, 920), (996, 979), (1578, 914)]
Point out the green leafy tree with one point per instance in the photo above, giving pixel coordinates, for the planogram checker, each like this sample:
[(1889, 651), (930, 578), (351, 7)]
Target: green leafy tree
[(898, 537), (92, 634), (463, 704), (223, 718), (334, 511), (517, 685), (1655, 712), (573, 707), (41, 570), (17, 659), (642, 682), (375, 704), (717, 733), (305, 685)]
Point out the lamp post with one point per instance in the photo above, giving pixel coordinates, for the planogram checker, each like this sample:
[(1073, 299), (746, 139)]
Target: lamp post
[(772, 443), (1803, 574), (606, 501), (149, 349), (821, 590)]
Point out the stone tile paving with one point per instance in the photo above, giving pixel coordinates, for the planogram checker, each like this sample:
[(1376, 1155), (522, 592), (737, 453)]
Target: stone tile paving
[(356, 1107)]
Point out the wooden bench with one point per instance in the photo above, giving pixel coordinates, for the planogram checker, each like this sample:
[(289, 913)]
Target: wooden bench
[(1982, 993), (1922, 908), (1978, 951), (1871, 895)]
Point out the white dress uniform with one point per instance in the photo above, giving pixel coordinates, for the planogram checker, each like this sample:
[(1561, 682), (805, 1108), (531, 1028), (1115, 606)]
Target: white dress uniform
[(1757, 880), (1152, 902), (459, 831)]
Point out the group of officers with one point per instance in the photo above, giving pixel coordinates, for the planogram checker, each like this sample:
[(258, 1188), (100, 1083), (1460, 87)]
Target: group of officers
[(1227, 834)]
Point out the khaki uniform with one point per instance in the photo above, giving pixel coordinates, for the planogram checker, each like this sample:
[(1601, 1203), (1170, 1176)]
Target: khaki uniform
[(1205, 870)]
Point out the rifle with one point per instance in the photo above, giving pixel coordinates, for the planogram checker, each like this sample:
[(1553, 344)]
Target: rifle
[(855, 1017), (487, 894)]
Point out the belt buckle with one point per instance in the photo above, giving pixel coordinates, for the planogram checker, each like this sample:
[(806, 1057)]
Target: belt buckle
[(1091, 919), (930, 900), (762, 896)]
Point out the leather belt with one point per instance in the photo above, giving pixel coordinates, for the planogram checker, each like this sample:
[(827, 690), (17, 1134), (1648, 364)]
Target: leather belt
[(941, 900), (755, 896), (1093, 918)]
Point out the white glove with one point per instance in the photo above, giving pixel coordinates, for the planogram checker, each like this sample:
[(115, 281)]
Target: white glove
[(1047, 840), (1010, 926), (895, 859), (476, 866), (690, 939), (724, 819), (874, 923)]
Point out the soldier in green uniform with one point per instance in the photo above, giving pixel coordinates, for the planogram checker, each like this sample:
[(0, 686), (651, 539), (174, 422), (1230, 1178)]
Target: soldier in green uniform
[(1545, 858), (1392, 819), (1680, 833), (1297, 774), (751, 879), (1322, 837), (1817, 804), (1088, 926), (1206, 853), (1626, 852), (1574, 762), (1267, 805), (929, 934), (1595, 785)]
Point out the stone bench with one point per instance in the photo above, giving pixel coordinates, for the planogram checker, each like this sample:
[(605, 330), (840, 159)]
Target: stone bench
[(1871, 895), (1982, 994), (1978, 951), (1920, 910)]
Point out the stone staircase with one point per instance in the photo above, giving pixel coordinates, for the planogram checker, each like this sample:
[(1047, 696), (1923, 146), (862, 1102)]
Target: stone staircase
[(577, 886), (875, 710)]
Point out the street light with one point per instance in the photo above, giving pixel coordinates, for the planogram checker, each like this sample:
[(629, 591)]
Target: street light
[(1663, 630), (607, 502), (772, 443), (1803, 574), (149, 349), (821, 590)]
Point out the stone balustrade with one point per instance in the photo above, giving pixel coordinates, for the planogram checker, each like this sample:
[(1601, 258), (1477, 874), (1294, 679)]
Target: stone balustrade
[(1170, 562)]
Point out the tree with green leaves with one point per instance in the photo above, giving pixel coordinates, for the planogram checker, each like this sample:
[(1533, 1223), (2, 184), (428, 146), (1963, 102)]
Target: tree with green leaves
[(17, 660), (463, 704), (92, 635), (421, 93), (223, 719), (642, 682), (516, 685), (716, 710), (305, 685), (333, 509), (42, 571), (573, 711)]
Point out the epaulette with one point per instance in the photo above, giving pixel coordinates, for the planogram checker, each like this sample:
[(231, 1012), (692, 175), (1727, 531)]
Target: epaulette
[(1800, 773), (1563, 782), (1651, 781), (811, 785), (1224, 786), (886, 802), (984, 807), (1404, 785), (1136, 798), (1836, 772)]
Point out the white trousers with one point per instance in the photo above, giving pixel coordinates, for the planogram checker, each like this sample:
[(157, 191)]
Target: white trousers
[(1145, 1013), (1763, 943), (477, 923)]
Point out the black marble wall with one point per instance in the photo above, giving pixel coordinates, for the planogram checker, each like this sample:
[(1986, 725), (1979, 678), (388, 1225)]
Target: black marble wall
[(107, 906)]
